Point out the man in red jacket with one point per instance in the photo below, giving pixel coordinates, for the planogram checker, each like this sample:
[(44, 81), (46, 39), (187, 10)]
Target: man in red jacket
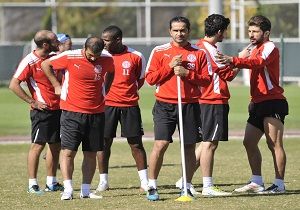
[(166, 62), (121, 105), (268, 106)]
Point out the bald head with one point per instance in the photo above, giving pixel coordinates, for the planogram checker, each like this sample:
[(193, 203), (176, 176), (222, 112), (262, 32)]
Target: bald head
[(94, 44), (44, 36)]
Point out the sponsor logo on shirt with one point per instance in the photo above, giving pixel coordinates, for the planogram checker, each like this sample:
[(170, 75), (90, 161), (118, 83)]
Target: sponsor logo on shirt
[(98, 69), (191, 58), (126, 64)]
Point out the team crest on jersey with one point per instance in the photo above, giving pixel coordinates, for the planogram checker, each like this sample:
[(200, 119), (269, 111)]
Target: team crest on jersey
[(126, 64), (98, 69), (191, 58)]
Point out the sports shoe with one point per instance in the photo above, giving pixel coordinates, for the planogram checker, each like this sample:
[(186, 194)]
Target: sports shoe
[(91, 196), (152, 194), (35, 189), (66, 196), (192, 189), (214, 191), (273, 189), (189, 193), (250, 188), (55, 187), (102, 187)]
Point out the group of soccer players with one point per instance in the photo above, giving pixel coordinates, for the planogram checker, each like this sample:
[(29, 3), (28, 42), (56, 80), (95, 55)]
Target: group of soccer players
[(96, 88)]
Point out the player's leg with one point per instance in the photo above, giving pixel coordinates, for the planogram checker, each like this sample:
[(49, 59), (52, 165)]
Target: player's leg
[(112, 116), (131, 128)]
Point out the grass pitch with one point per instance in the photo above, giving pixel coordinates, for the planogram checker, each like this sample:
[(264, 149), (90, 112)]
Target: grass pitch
[(231, 170)]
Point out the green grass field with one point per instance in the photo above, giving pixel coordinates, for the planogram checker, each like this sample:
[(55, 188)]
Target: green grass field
[(231, 170), (15, 113)]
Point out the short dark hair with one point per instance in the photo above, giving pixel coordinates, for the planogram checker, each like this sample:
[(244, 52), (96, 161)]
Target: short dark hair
[(95, 44), (215, 23), (180, 19), (42, 37), (115, 31), (260, 21)]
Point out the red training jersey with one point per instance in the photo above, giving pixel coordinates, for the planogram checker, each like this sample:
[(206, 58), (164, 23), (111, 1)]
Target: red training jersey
[(217, 91), (129, 78), (83, 86), (41, 89), (160, 74), (263, 63)]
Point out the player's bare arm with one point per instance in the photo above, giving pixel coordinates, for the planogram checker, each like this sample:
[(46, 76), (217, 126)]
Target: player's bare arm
[(19, 91), (47, 68)]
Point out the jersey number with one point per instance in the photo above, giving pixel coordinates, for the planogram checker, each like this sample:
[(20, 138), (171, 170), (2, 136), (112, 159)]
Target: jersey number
[(126, 72)]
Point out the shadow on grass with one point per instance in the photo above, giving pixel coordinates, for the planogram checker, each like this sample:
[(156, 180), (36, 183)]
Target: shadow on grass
[(134, 166)]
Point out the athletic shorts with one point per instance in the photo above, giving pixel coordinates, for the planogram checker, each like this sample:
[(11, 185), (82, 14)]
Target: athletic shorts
[(165, 117), (214, 118), (45, 126), (129, 118), (278, 109), (80, 127)]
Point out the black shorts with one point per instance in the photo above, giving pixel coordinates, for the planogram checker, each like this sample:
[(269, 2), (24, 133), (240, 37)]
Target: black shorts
[(129, 118), (165, 117), (79, 127), (278, 109), (214, 118), (45, 126)]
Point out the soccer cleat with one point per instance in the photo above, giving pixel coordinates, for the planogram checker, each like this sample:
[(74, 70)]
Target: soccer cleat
[(91, 196), (192, 189), (214, 191), (273, 189), (102, 187), (250, 188), (66, 196), (55, 187), (152, 194), (35, 189)]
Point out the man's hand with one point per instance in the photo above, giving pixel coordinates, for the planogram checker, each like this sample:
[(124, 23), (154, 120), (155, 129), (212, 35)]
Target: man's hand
[(180, 71), (223, 59), (245, 53), (57, 90), (176, 61), (38, 105)]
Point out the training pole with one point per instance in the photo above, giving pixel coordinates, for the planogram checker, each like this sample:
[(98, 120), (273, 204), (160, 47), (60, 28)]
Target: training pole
[(185, 196)]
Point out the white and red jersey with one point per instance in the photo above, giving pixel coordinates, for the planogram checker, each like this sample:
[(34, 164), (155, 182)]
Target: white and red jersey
[(160, 74), (129, 78), (83, 86), (217, 91), (41, 89), (263, 63)]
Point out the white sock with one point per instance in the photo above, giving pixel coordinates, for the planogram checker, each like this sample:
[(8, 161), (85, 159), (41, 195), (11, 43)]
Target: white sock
[(85, 189), (279, 183), (257, 180), (68, 185), (207, 181), (143, 177), (32, 182), (152, 183), (51, 180), (103, 178)]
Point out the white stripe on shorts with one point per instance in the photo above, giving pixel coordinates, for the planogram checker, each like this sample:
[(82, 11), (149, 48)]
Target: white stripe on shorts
[(215, 132), (36, 135)]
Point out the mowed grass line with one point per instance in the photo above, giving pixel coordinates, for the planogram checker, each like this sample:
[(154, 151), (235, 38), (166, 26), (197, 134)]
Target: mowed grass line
[(231, 171), (15, 120)]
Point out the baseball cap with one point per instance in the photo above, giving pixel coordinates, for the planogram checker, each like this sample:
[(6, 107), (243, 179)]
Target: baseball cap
[(62, 38)]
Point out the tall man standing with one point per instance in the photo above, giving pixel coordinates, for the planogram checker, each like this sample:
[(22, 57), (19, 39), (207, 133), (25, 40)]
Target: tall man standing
[(268, 106), (166, 62), (82, 102), (121, 105), (44, 113)]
